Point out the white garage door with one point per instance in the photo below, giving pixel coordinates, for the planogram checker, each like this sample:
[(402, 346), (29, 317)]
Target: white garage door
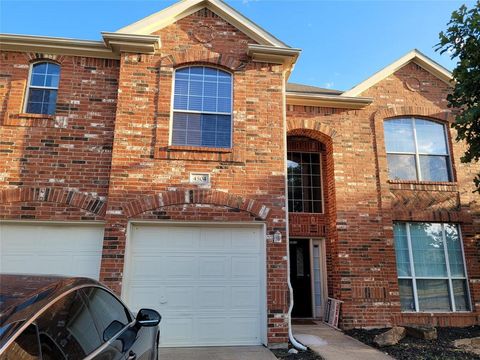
[(207, 282), (73, 250)]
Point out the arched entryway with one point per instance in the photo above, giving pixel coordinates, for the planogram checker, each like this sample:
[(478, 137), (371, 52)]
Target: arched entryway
[(311, 212)]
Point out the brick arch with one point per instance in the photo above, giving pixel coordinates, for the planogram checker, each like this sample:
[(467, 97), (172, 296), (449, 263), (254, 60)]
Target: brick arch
[(313, 127), (62, 196), (195, 55), (422, 111), (195, 196), (323, 133), (33, 57)]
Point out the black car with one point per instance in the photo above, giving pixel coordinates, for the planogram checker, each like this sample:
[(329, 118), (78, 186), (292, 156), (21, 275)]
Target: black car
[(59, 318)]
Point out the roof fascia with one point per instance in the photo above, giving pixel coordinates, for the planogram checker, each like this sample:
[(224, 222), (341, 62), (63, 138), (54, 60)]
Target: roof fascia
[(333, 101), (175, 12), (55, 45)]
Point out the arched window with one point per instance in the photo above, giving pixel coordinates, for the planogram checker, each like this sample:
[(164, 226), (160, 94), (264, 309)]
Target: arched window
[(202, 107), (43, 88), (417, 149)]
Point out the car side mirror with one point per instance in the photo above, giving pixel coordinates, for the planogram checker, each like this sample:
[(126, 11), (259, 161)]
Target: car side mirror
[(148, 317)]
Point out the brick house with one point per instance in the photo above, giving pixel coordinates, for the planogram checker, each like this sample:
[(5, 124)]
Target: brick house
[(174, 162)]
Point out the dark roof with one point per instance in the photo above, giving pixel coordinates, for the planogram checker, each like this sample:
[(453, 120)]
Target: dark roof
[(301, 88), (22, 296)]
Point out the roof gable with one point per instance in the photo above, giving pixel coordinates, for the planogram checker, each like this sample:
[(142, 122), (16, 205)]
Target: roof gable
[(183, 8), (413, 56)]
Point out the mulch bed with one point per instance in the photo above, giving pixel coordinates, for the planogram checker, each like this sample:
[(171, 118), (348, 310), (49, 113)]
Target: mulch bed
[(417, 349), (302, 355)]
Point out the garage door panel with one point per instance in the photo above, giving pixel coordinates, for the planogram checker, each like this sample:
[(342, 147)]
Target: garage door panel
[(214, 239), (243, 327), (184, 267), (146, 267), (244, 268), (210, 280), (212, 298), (180, 330), (179, 297), (72, 250), (245, 298), (213, 267)]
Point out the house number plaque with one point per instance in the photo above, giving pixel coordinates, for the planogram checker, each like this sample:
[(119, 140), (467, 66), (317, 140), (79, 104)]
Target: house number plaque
[(200, 178)]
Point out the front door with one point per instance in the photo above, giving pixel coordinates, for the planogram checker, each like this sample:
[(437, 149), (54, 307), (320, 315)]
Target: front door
[(300, 277)]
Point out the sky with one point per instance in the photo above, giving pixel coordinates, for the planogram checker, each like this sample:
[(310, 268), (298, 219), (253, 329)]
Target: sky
[(342, 42)]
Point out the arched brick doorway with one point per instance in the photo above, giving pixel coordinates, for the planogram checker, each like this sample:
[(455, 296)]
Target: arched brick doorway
[(312, 232)]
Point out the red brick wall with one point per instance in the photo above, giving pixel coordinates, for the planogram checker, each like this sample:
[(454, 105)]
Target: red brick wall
[(63, 167), (367, 203), (61, 163), (252, 172)]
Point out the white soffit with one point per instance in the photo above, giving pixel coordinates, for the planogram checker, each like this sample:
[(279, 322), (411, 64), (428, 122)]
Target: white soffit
[(177, 11), (417, 57)]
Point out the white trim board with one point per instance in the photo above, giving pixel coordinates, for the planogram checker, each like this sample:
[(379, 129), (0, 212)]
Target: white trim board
[(413, 56), (181, 9)]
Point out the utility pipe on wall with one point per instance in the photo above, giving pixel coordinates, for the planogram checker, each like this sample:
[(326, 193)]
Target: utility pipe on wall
[(292, 339)]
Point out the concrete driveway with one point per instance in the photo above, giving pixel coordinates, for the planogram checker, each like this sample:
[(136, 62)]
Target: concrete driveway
[(217, 353)]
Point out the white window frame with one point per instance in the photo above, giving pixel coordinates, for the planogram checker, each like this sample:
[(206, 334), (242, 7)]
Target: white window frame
[(413, 278), (173, 110), (30, 86), (417, 154)]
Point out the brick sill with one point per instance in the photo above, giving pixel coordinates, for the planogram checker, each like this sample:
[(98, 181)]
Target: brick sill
[(199, 149), (415, 182), (33, 116), (29, 120)]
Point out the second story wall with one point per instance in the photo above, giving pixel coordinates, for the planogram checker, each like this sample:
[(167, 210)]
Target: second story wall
[(146, 159), (61, 154)]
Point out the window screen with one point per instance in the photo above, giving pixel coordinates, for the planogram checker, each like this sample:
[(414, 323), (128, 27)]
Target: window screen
[(202, 107)]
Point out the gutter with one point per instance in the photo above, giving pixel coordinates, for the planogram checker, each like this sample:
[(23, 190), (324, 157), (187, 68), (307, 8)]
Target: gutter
[(110, 48), (296, 344)]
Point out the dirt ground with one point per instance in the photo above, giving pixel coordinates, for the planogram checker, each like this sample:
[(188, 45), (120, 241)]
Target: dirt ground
[(302, 355), (416, 349)]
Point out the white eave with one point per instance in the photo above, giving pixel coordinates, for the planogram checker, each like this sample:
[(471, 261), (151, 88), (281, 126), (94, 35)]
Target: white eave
[(131, 43), (413, 56), (181, 9), (325, 100), (110, 47), (272, 54), (56, 45)]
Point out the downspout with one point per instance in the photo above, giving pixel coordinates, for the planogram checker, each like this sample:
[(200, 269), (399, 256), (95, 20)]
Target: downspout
[(296, 344)]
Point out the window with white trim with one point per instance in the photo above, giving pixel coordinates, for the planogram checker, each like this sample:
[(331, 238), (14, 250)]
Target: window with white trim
[(430, 267), (202, 107), (417, 149), (43, 88)]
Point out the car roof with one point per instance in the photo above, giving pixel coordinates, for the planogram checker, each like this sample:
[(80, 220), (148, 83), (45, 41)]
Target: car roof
[(23, 295)]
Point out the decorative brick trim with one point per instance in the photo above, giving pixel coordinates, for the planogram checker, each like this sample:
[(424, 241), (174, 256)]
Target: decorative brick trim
[(35, 56), (422, 111), (185, 197), (201, 56), (321, 132), (55, 195)]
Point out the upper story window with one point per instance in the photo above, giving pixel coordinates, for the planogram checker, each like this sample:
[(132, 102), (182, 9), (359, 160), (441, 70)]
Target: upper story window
[(43, 88), (417, 149), (202, 107), (304, 182)]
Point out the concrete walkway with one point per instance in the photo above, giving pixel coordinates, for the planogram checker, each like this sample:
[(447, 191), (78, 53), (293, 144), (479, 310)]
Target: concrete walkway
[(332, 344), (217, 353)]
